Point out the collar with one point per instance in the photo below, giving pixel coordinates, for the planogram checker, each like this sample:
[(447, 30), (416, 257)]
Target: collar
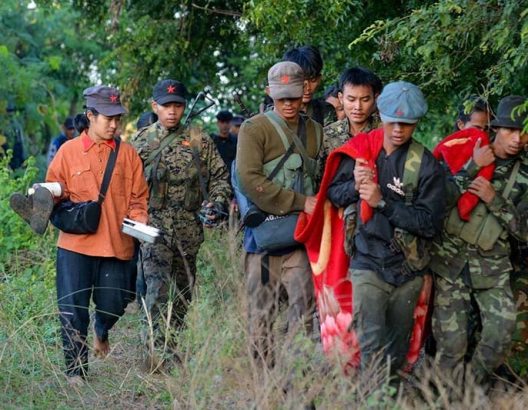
[(88, 143)]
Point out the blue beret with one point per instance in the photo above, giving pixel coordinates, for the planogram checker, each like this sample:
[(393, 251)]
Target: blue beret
[(401, 102)]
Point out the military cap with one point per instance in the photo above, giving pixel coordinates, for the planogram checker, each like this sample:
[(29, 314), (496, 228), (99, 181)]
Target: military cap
[(505, 113), (224, 116), (286, 80), (146, 119), (106, 100), (167, 91), (401, 101), (237, 120), (68, 123)]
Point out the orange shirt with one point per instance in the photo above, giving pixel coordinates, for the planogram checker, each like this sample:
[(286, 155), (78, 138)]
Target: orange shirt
[(79, 166)]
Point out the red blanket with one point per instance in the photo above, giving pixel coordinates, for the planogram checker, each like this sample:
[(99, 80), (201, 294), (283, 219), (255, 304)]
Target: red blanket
[(455, 150), (323, 235)]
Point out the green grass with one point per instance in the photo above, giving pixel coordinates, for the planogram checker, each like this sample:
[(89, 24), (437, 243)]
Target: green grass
[(215, 373)]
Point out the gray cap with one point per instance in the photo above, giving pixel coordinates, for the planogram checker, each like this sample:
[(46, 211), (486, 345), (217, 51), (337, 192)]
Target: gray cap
[(106, 100), (401, 102), (286, 80)]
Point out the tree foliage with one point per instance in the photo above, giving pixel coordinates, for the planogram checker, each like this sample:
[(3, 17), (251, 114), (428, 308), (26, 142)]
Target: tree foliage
[(451, 48), (46, 56)]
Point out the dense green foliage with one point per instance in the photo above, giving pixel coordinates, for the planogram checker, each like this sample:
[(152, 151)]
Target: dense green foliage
[(47, 55), (450, 48)]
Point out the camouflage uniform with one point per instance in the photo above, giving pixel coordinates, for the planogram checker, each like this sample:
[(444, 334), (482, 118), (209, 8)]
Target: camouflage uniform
[(338, 133), (169, 266), (463, 271), (519, 283)]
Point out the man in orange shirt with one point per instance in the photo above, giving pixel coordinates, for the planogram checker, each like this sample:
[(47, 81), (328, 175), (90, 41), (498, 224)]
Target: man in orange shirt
[(96, 265)]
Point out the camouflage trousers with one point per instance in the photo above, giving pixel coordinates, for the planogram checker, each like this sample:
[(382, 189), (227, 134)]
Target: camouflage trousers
[(170, 274), (450, 324), (270, 279), (520, 292)]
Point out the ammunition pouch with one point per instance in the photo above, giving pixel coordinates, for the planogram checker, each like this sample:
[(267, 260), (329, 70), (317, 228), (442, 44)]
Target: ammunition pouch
[(482, 230), (350, 221), (292, 176), (157, 178), (192, 199), (415, 249)]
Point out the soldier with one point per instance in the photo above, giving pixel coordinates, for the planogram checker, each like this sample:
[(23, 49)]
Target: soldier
[(68, 132), (331, 96), (403, 185), (236, 122), (184, 172), (264, 141), (225, 141), (311, 62), (358, 90), (472, 258), (477, 117)]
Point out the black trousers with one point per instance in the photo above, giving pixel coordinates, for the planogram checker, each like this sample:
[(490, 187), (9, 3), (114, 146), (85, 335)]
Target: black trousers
[(111, 284)]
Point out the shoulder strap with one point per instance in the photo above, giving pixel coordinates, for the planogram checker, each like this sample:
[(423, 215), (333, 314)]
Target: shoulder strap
[(279, 125), (411, 170), (196, 145), (108, 171), (276, 122), (318, 136), (515, 170), (163, 144)]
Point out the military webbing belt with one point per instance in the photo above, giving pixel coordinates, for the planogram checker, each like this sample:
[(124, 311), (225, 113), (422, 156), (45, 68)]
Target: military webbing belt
[(411, 170), (163, 144), (511, 180)]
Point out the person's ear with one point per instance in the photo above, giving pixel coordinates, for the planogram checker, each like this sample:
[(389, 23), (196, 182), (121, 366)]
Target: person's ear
[(460, 124), (154, 106), (267, 90)]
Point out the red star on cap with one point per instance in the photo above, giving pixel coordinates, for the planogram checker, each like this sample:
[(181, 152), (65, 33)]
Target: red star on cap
[(285, 79), (399, 113), (113, 98), (171, 89)]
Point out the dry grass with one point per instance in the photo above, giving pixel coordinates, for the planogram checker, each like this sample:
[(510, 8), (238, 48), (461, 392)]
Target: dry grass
[(216, 372)]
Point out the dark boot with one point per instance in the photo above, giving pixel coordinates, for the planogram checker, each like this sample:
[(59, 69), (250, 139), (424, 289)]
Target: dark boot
[(42, 208), (22, 205)]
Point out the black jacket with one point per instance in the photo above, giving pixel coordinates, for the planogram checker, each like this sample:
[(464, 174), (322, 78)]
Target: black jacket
[(424, 218)]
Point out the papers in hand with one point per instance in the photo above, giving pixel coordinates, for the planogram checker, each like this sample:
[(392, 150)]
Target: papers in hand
[(140, 231)]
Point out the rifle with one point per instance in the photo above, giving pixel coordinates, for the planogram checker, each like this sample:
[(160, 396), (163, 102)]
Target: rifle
[(209, 103), (243, 107)]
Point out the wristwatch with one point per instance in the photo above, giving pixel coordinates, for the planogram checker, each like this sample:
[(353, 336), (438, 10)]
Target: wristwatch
[(381, 205)]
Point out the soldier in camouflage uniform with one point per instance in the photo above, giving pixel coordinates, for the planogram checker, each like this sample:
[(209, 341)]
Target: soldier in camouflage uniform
[(184, 172), (519, 282), (359, 89), (472, 259)]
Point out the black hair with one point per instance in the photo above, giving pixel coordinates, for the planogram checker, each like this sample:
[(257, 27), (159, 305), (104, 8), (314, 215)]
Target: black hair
[(81, 123), (477, 104), (360, 76), (308, 57), (146, 119), (224, 116), (331, 91)]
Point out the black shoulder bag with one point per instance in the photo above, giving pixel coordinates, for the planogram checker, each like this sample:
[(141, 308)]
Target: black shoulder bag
[(83, 217)]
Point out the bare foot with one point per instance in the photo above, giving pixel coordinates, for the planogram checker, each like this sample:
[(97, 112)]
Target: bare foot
[(101, 349)]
